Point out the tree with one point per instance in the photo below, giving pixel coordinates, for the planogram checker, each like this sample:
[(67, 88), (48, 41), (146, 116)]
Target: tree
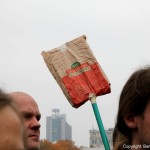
[(65, 145), (59, 145), (46, 145)]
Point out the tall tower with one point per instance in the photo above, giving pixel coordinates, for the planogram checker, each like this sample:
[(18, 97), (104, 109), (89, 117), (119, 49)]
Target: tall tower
[(57, 128)]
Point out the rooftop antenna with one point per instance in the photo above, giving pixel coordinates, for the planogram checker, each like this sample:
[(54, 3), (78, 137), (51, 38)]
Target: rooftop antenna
[(55, 111)]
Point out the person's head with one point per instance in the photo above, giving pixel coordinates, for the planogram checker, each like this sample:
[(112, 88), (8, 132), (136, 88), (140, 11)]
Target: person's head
[(133, 118), (30, 112), (11, 125)]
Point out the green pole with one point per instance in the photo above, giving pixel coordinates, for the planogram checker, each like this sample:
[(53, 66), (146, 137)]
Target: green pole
[(100, 123)]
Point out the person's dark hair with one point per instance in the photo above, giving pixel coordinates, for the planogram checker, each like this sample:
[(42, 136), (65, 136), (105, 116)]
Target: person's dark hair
[(6, 101), (133, 100)]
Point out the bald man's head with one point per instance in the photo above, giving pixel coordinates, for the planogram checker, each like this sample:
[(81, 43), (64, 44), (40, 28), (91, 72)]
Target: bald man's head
[(30, 112)]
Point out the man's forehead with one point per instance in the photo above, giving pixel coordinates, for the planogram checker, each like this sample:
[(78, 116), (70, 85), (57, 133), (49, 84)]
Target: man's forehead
[(27, 108), (30, 111)]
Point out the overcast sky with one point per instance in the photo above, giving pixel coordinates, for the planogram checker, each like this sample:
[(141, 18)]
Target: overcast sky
[(118, 32)]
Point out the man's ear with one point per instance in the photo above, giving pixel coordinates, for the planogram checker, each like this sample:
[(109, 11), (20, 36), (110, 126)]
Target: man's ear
[(130, 120)]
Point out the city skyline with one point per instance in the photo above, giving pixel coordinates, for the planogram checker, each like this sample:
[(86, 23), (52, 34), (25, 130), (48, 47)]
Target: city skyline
[(95, 140)]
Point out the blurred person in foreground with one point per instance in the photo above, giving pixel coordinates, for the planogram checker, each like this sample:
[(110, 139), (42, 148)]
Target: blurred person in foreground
[(132, 128), (31, 114), (11, 125)]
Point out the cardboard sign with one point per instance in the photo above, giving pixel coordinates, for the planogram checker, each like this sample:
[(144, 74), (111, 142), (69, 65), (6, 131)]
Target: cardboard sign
[(77, 71)]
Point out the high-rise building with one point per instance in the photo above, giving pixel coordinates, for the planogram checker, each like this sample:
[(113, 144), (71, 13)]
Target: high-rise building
[(57, 128)]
